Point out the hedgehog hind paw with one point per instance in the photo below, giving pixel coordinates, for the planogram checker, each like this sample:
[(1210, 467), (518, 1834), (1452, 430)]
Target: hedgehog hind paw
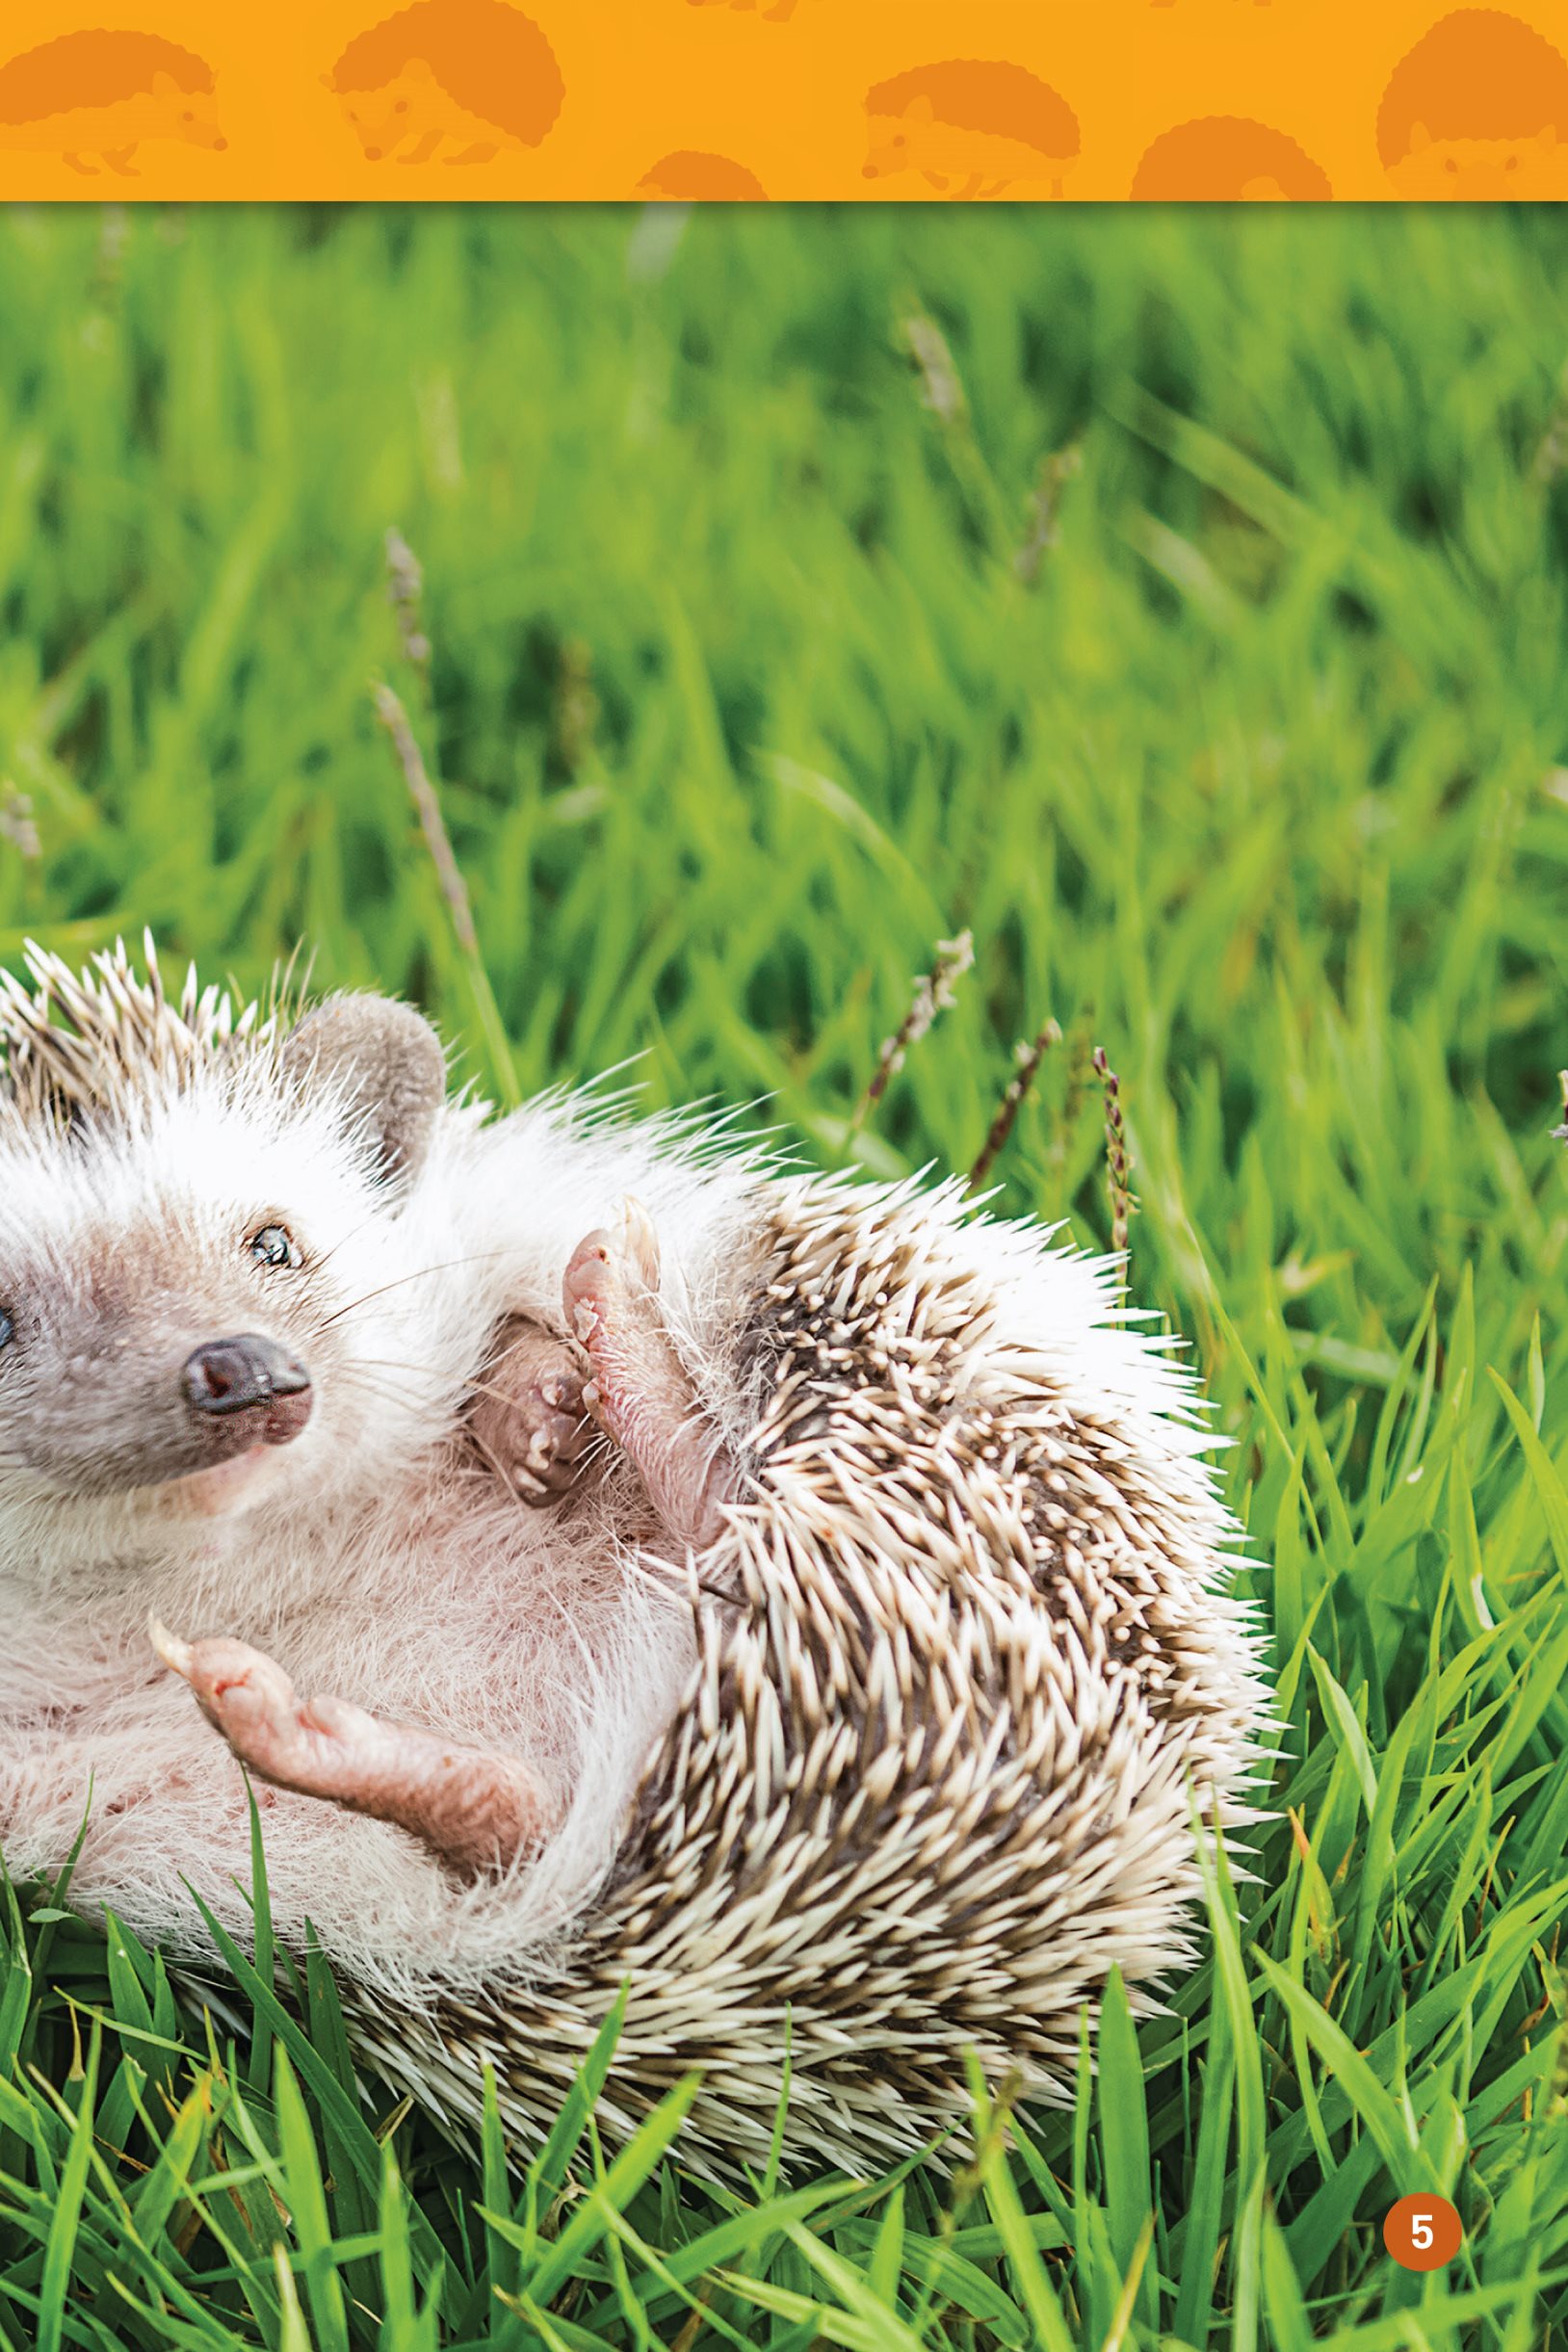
[(474, 1809)]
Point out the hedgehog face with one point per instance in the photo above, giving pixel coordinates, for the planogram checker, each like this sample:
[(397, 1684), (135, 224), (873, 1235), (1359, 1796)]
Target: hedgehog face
[(947, 154), (1481, 169), (210, 1308), (409, 106), (888, 144), (188, 114)]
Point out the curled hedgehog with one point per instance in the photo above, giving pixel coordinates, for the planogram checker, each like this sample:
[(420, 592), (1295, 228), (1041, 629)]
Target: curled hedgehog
[(803, 1602)]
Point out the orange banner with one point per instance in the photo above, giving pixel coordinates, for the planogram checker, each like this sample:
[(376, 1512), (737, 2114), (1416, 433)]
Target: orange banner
[(745, 99)]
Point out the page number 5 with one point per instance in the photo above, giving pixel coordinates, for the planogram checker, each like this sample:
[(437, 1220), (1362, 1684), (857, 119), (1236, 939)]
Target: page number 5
[(1423, 2232)]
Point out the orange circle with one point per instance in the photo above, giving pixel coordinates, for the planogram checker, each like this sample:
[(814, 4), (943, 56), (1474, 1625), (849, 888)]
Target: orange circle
[(1423, 2232)]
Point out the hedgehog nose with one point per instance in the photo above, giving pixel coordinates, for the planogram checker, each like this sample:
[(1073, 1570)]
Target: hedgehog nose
[(244, 1374)]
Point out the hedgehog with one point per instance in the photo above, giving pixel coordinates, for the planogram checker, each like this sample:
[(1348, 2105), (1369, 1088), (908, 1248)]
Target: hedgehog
[(449, 80), (805, 1603), (690, 175), (1477, 109), (1220, 158), (100, 93), (971, 126)]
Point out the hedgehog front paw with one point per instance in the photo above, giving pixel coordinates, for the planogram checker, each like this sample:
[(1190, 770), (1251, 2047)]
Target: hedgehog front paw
[(529, 1418), (476, 1811)]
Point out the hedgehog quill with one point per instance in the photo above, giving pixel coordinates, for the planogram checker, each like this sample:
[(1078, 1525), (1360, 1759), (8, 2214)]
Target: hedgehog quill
[(615, 1559)]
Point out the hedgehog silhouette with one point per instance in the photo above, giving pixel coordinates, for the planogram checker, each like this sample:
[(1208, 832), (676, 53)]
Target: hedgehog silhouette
[(1219, 158), (93, 96), (971, 127), (689, 176), (1478, 107), (449, 80)]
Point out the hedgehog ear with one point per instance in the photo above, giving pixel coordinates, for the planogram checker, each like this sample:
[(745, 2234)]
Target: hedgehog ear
[(919, 111), (1419, 139), (384, 1063)]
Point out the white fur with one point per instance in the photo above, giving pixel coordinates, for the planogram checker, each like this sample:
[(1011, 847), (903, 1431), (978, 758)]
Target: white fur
[(379, 1562)]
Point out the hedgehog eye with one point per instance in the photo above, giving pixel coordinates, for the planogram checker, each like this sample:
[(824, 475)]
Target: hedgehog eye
[(8, 1330), (402, 106), (275, 1245), (187, 116)]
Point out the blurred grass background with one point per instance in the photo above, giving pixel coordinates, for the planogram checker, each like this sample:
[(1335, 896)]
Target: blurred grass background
[(1174, 599)]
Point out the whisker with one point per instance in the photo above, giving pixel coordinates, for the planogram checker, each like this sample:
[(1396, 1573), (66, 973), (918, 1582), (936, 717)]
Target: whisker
[(525, 1337), (315, 1265), (420, 1274), (471, 1387), (383, 1389), (356, 1380)]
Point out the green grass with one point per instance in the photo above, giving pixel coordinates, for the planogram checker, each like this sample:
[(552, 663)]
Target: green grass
[(740, 702)]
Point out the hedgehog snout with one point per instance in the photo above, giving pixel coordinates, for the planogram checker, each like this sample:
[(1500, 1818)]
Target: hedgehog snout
[(248, 1390)]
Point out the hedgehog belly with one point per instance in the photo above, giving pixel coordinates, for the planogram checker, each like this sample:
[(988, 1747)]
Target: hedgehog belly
[(936, 1768)]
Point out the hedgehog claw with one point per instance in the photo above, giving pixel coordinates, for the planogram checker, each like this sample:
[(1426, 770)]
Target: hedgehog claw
[(171, 1649), (529, 1419)]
